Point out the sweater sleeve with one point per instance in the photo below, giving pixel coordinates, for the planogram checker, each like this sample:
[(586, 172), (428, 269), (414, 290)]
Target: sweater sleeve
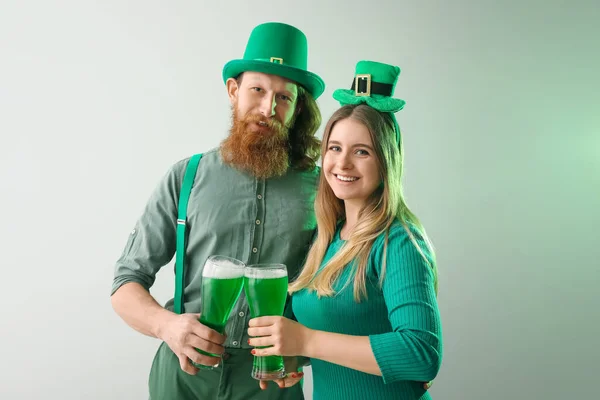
[(413, 350)]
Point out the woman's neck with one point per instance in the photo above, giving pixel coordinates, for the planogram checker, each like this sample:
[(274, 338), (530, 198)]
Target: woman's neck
[(352, 210)]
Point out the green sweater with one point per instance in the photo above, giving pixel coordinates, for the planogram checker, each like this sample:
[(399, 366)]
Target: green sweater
[(401, 319)]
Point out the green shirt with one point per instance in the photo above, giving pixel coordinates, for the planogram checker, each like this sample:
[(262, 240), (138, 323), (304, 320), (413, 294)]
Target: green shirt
[(401, 319), (230, 213)]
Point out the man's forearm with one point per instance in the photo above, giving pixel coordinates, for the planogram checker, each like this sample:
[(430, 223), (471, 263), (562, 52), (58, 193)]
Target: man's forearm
[(140, 310)]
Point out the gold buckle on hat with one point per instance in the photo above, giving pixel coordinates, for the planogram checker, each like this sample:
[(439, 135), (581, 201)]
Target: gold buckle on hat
[(277, 60), (361, 77)]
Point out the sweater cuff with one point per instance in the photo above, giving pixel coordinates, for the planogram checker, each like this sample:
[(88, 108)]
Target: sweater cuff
[(385, 350)]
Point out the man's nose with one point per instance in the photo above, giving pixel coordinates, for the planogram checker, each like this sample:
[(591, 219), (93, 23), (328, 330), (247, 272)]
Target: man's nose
[(267, 105)]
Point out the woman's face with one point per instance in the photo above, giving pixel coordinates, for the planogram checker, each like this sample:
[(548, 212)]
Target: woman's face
[(350, 164)]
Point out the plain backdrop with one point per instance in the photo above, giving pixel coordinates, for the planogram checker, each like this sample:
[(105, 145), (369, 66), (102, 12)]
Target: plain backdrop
[(502, 141)]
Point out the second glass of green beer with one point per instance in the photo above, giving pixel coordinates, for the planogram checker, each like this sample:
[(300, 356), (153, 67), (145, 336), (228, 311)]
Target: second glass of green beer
[(266, 287), (222, 281)]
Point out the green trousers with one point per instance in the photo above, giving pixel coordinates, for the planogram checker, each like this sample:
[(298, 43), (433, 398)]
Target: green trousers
[(230, 381)]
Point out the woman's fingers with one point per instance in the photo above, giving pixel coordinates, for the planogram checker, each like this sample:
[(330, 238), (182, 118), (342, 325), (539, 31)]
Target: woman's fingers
[(262, 341), (259, 331)]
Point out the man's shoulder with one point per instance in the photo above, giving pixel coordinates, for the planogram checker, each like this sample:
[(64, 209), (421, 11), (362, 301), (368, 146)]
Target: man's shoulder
[(209, 155), (309, 172), (304, 177)]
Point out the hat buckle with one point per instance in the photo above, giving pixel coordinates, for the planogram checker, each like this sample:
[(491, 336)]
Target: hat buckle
[(362, 85)]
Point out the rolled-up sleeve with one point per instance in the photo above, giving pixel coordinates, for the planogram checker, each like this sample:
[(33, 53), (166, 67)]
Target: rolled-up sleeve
[(413, 350), (152, 241)]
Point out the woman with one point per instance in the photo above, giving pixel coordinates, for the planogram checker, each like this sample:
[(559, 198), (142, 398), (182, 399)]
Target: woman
[(365, 300)]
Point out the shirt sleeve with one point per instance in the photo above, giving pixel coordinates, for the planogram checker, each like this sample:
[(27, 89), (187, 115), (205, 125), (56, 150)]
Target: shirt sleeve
[(152, 242), (413, 350)]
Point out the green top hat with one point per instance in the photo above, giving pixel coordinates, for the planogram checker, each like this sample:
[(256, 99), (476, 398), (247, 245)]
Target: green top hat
[(374, 85), (277, 49)]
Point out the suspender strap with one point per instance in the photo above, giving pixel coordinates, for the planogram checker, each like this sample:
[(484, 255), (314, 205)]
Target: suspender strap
[(184, 196)]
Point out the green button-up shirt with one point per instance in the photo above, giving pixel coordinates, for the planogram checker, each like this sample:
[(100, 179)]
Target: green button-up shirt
[(230, 213)]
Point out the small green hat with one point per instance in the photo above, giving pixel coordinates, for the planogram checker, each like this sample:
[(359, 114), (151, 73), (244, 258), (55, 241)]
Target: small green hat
[(278, 49), (374, 85)]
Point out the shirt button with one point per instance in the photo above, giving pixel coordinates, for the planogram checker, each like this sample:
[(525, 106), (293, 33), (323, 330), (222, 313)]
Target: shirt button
[(258, 222), (241, 314), (255, 250), (259, 196), (234, 343), (133, 232)]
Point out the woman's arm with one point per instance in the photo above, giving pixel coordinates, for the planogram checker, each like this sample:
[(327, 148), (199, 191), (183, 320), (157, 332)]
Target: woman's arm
[(349, 351), (287, 337), (413, 350)]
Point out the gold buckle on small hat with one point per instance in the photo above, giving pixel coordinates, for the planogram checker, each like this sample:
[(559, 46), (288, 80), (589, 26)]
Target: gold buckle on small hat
[(360, 78), (277, 60)]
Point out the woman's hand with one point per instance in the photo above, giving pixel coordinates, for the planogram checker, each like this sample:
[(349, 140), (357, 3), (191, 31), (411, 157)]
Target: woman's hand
[(281, 336)]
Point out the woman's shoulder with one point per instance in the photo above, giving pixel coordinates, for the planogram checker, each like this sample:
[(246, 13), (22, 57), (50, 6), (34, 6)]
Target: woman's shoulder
[(398, 232), (403, 237)]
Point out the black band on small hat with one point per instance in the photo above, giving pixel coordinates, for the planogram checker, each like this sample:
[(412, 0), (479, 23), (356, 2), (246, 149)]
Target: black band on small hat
[(383, 89)]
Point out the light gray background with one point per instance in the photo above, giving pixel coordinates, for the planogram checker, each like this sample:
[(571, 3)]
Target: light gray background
[(502, 138)]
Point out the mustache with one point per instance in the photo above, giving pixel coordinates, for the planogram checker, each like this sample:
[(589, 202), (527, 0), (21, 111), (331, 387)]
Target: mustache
[(271, 123)]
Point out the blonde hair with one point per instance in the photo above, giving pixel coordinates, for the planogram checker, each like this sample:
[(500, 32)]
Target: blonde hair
[(385, 205)]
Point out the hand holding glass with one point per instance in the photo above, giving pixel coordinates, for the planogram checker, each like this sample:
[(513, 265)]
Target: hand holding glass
[(222, 280), (265, 286)]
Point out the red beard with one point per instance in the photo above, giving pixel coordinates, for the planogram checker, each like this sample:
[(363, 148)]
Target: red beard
[(262, 151)]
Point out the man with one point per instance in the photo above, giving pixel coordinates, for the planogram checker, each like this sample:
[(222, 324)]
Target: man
[(252, 199)]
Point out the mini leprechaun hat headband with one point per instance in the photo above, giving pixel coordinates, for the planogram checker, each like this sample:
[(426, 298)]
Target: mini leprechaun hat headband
[(373, 85)]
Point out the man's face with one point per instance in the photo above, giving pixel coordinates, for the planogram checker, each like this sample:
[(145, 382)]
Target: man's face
[(263, 112), (270, 96)]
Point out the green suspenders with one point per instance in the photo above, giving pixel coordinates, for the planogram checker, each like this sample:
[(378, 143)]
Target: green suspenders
[(184, 196)]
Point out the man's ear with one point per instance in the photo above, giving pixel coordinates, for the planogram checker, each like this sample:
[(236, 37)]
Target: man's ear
[(232, 89)]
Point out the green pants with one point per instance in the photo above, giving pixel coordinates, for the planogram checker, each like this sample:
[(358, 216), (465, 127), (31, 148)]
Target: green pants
[(230, 381)]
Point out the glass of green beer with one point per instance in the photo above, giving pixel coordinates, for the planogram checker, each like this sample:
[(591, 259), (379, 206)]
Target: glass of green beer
[(222, 281), (266, 287)]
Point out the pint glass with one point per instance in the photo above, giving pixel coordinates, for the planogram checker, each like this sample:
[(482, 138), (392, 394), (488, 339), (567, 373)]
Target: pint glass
[(222, 281), (266, 286)]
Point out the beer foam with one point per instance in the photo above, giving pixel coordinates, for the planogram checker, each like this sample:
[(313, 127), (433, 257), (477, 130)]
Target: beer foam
[(266, 273), (223, 270)]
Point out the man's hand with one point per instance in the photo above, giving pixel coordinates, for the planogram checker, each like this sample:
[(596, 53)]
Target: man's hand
[(291, 377), (184, 334)]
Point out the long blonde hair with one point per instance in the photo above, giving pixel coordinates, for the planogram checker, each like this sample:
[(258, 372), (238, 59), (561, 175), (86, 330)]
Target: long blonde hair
[(385, 205)]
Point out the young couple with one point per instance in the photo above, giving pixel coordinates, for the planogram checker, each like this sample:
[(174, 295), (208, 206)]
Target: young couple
[(363, 303)]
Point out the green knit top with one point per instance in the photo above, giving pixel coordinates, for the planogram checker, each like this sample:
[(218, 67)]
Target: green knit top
[(400, 317)]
